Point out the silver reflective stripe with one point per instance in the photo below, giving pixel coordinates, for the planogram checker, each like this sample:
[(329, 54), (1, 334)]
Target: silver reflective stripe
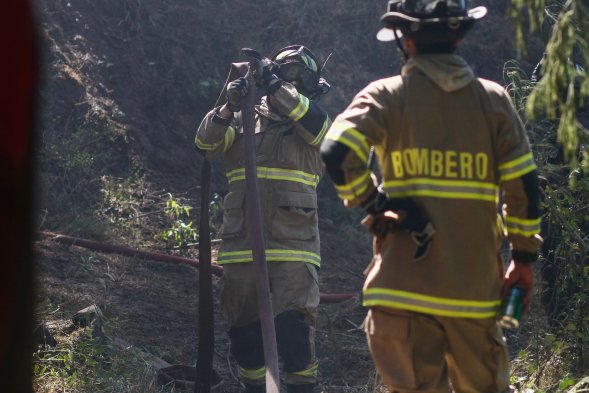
[(351, 138), (207, 146), (322, 133), (309, 179), (229, 138), (455, 189), (522, 226), (271, 255), (310, 371), (355, 188), (301, 109), (430, 304), (517, 168), (252, 375)]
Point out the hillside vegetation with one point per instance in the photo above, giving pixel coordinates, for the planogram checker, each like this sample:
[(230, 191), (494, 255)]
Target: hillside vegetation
[(126, 83)]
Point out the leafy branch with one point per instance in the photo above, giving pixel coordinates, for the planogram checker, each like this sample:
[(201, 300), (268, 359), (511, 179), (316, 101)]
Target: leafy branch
[(562, 91)]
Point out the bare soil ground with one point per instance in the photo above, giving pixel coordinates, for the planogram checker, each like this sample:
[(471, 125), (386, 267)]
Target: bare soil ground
[(154, 306), (126, 83)]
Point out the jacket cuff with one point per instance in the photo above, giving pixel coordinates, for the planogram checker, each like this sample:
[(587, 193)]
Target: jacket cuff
[(221, 120), (274, 85)]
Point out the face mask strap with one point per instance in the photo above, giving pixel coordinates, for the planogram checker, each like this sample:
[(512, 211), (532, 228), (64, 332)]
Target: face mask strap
[(401, 46)]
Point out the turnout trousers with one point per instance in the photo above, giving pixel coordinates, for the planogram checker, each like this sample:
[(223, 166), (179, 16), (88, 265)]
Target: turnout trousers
[(416, 352), (295, 298)]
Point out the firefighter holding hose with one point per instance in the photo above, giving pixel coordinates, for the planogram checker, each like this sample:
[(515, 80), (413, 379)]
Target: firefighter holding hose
[(290, 126)]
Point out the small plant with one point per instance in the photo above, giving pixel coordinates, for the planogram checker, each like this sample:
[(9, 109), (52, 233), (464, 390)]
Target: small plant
[(181, 233)]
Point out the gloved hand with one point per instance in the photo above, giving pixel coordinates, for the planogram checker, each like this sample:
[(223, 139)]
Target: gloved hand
[(411, 218), (236, 90), (378, 203), (264, 74), (519, 275)]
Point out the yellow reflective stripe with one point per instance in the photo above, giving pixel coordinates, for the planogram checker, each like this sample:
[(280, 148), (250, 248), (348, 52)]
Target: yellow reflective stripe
[(229, 138), (455, 189), (517, 161), (522, 226), (354, 188), (305, 60), (310, 371), (282, 55), (430, 304), (309, 62), (276, 174), (252, 375), (516, 168), (272, 255), (322, 133), (207, 146), (351, 138), (301, 109)]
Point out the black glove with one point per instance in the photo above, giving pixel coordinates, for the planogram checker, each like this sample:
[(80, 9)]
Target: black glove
[(378, 203), (420, 227), (236, 90), (265, 77)]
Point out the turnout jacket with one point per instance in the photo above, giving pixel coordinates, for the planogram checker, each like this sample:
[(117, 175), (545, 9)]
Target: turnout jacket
[(288, 132), (455, 145)]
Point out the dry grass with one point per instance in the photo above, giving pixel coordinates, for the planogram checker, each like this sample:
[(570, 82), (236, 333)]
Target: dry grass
[(127, 81)]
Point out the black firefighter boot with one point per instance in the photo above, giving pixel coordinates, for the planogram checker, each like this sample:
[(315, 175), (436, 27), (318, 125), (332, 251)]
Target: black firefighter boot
[(302, 388)]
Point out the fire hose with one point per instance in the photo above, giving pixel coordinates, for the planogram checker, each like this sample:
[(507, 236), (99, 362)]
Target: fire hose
[(160, 257), (206, 325), (258, 248)]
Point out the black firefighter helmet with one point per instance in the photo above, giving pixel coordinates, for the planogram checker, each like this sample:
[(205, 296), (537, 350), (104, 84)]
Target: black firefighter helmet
[(428, 21), (298, 63)]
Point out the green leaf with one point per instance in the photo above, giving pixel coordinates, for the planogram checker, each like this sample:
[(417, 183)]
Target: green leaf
[(566, 383)]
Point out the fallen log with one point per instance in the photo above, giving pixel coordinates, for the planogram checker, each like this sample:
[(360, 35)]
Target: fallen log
[(155, 256)]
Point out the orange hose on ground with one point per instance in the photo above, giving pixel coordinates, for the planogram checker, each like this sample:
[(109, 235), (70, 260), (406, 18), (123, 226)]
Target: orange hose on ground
[(155, 256)]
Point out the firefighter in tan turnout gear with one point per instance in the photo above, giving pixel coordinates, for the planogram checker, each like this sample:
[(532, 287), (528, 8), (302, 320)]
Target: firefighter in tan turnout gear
[(290, 127), (448, 145)]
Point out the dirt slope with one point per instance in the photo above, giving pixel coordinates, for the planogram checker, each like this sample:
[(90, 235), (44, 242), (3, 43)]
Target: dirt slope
[(126, 83), (155, 67)]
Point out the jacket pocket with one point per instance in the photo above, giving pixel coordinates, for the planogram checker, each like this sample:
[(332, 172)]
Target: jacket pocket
[(295, 216), (233, 215)]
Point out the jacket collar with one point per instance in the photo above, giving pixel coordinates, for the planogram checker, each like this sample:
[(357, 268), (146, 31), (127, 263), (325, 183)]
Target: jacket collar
[(450, 72)]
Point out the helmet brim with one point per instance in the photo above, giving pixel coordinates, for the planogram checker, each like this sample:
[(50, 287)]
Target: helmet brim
[(394, 20), (387, 34)]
